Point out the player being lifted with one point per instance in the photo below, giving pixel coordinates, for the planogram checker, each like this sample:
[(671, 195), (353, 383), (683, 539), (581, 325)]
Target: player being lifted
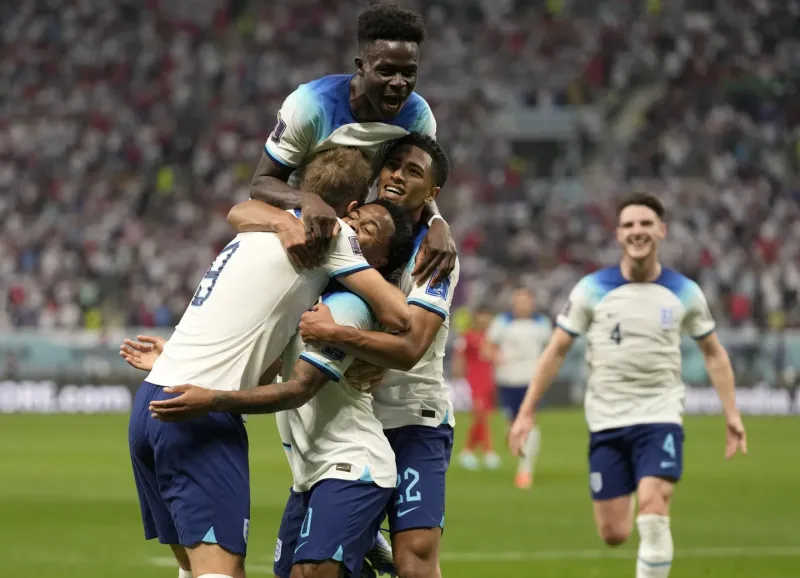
[(633, 315), (365, 109), (192, 478)]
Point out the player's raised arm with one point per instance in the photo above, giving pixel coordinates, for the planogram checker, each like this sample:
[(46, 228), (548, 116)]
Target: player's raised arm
[(430, 306)]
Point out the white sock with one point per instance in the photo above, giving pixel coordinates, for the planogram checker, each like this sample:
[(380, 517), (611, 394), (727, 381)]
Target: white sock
[(530, 452), (655, 546), (184, 573)]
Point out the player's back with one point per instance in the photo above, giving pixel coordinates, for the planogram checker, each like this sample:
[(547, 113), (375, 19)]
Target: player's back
[(634, 338), (420, 392), (317, 116), (336, 433), (244, 312)]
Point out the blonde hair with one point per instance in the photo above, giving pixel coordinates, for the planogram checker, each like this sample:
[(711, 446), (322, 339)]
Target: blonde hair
[(340, 176)]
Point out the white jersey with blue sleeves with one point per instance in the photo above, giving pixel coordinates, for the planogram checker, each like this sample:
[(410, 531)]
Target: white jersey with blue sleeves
[(634, 339), (520, 342), (336, 434), (317, 117), (419, 396), (246, 310)]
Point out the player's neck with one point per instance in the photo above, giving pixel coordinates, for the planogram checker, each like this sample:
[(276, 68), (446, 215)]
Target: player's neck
[(645, 271), (360, 106)]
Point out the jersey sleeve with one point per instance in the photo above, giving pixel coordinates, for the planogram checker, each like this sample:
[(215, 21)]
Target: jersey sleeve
[(344, 255), (697, 321), (576, 315), (496, 327), (293, 135), (436, 299), (426, 122), (347, 309)]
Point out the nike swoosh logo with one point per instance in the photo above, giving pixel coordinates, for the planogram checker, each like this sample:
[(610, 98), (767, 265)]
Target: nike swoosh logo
[(300, 546), (667, 464), (404, 512)]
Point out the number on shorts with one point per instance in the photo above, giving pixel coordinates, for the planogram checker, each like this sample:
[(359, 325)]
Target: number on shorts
[(416, 496), (616, 334), (210, 278), (669, 445), (305, 529)]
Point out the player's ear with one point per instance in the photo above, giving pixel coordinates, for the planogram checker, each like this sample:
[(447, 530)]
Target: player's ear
[(359, 66), (432, 194), (663, 227), (620, 235), (351, 207)]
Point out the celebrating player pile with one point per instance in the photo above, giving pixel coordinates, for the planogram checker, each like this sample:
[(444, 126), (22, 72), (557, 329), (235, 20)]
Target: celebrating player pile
[(633, 315)]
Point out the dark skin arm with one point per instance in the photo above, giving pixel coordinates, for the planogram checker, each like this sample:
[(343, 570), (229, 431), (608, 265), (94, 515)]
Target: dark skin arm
[(196, 401), (391, 350), (438, 250)]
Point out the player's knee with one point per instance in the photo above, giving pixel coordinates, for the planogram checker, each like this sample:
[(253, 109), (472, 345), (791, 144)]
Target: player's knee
[(615, 534), (654, 503), (415, 555)]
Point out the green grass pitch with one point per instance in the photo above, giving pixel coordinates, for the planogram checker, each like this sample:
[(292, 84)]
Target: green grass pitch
[(68, 507)]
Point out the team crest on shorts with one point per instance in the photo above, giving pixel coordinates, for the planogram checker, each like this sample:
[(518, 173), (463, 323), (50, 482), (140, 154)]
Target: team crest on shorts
[(596, 481), (278, 548), (246, 530)]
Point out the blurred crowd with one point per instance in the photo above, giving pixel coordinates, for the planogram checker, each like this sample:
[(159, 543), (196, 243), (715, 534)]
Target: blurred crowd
[(128, 128)]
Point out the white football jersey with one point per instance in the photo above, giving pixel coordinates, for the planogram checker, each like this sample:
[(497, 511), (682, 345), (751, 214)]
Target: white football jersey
[(336, 434), (420, 396), (317, 117), (634, 338), (246, 309), (520, 342)]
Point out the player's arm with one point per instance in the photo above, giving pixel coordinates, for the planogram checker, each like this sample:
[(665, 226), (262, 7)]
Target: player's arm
[(459, 366), (387, 302), (547, 368), (720, 371)]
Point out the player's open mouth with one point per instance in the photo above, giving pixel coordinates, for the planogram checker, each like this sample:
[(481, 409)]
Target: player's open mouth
[(394, 191), (392, 101)]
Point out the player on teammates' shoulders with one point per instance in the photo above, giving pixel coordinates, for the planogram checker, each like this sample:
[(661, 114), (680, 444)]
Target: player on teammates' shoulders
[(633, 315)]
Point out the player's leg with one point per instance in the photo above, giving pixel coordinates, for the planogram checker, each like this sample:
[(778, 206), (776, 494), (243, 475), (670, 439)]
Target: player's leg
[(291, 523), (156, 518), (511, 399), (204, 479), (416, 514), (339, 528), (478, 432), (490, 458), (612, 483), (658, 458)]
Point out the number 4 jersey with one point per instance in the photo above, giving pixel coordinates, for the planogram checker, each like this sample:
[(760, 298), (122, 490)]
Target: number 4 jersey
[(634, 338), (246, 310)]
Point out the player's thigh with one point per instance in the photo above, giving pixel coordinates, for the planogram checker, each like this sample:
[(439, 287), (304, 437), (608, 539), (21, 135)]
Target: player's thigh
[(291, 523), (181, 556), (156, 517), (611, 482), (213, 559), (327, 569), (658, 464), (340, 524), (204, 479)]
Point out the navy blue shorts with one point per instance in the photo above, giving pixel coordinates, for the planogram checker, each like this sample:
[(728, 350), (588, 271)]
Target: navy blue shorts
[(620, 457), (334, 520), (511, 399), (193, 477), (422, 454)]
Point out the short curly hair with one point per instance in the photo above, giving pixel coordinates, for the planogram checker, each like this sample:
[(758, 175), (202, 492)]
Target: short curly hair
[(390, 22), (440, 165), (339, 175)]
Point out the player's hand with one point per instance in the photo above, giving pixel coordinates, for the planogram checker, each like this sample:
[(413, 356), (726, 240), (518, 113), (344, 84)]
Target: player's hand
[(735, 436), (316, 326), (292, 234), (192, 402), (320, 222), (518, 435), (364, 376), (437, 254), (142, 354)]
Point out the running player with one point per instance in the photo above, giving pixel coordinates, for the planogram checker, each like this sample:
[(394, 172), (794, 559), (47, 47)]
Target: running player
[(365, 109), (243, 314), (473, 362), (633, 315), (413, 402), (517, 340)]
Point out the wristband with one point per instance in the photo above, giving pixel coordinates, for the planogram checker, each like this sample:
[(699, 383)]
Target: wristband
[(433, 218)]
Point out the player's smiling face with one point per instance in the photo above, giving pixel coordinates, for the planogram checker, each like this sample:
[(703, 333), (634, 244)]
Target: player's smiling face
[(640, 232), (389, 68), (374, 228), (406, 178)]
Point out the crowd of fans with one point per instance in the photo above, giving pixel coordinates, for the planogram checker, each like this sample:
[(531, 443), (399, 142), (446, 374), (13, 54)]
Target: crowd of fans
[(129, 128)]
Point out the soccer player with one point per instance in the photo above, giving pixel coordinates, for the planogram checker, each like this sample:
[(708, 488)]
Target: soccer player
[(473, 362), (365, 109), (633, 315), (517, 339), (192, 478), (412, 403)]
